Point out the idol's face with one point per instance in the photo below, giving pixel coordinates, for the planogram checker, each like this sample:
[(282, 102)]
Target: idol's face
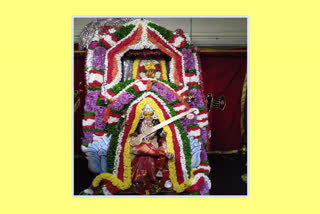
[(149, 66), (148, 115)]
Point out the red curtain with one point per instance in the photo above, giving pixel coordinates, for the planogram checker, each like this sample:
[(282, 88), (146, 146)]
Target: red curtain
[(224, 74)]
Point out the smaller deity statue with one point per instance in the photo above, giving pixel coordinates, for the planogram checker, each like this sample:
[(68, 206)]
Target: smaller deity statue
[(150, 156), (150, 69)]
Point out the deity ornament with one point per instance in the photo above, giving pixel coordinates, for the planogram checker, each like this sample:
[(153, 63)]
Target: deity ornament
[(150, 69)]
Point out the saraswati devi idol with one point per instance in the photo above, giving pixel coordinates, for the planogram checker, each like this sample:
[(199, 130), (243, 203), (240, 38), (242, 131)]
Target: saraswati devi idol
[(145, 121)]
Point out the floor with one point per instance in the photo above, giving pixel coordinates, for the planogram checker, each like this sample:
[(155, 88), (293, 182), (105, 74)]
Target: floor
[(226, 172)]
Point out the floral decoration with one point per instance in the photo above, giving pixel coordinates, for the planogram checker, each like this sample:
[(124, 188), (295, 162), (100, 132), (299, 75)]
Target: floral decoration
[(103, 75)]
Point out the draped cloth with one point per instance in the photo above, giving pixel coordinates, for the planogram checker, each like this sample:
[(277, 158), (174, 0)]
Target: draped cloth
[(224, 74), (143, 167)]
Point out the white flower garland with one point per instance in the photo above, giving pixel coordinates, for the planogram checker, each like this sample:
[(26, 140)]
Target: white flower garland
[(194, 133), (88, 122), (180, 108), (171, 77), (112, 120), (202, 116), (89, 61), (117, 155), (203, 124), (204, 167), (196, 66), (182, 157), (95, 77), (193, 79)]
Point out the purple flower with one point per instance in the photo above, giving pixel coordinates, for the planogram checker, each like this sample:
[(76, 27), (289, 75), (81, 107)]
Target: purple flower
[(204, 188), (203, 154), (117, 105), (125, 98), (197, 97), (170, 96), (204, 134), (99, 57), (188, 58), (93, 93), (99, 123), (88, 137), (89, 107), (99, 110), (91, 100), (185, 122), (164, 92)]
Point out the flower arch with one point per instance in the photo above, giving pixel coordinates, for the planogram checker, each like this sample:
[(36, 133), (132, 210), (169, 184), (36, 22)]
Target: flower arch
[(142, 36), (120, 174)]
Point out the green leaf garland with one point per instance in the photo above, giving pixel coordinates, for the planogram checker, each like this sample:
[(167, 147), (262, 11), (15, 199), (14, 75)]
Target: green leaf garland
[(86, 113), (163, 31), (123, 32)]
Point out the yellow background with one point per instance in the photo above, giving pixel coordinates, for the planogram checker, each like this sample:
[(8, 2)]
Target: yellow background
[(36, 107)]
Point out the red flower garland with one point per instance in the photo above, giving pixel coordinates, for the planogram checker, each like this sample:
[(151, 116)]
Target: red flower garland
[(164, 46), (196, 186), (112, 61), (112, 189), (124, 139), (174, 138)]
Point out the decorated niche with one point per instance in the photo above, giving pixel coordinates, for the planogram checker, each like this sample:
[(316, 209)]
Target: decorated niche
[(145, 122)]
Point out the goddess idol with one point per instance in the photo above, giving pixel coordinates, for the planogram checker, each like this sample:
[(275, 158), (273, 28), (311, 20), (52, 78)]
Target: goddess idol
[(149, 164)]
